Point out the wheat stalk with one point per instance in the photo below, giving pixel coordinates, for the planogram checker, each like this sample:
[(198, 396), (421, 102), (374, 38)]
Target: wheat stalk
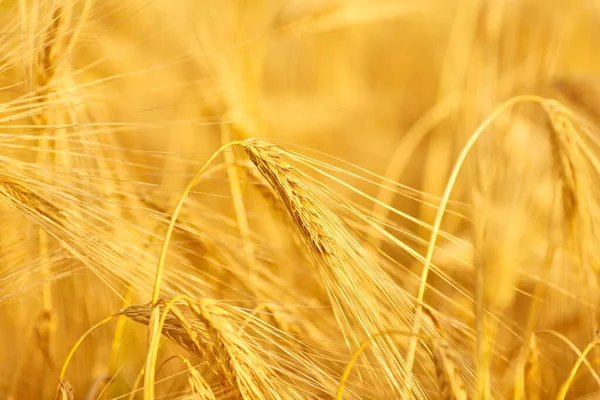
[(198, 386)]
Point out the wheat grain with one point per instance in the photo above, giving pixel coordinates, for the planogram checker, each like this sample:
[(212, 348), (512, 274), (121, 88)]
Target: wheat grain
[(533, 379), (565, 160), (174, 329), (198, 386), (451, 384), (308, 215)]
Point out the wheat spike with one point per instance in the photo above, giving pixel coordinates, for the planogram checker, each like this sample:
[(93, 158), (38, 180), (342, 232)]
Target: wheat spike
[(309, 216), (533, 379), (199, 337), (29, 203), (356, 284), (244, 368), (198, 386), (451, 384), (65, 391), (565, 159)]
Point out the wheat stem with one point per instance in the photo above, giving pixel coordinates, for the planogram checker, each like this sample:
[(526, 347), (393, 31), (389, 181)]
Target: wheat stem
[(441, 211)]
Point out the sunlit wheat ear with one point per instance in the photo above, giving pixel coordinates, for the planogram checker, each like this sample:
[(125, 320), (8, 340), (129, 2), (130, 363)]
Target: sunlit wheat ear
[(577, 200), (193, 340), (198, 386), (25, 201), (202, 340), (310, 216), (279, 315), (565, 159), (266, 191), (222, 353), (65, 391), (365, 299), (45, 63), (532, 373), (452, 386), (250, 358), (44, 68)]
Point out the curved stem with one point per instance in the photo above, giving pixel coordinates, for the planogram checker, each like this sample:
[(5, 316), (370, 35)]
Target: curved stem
[(442, 208), (169, 233)]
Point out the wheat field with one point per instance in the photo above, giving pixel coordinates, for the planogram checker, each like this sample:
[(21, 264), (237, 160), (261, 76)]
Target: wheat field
[(299, 199)]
